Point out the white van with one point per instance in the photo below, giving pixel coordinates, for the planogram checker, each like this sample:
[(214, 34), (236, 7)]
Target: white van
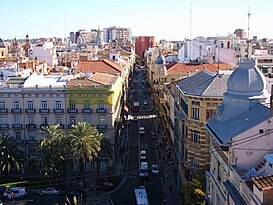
[(15, 192), (143, 170)]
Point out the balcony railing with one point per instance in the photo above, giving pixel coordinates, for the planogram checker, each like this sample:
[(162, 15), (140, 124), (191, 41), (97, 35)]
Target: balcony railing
[(72, 110), (101, 127), (16, 110), (43, 125), (101, 110), (3, 110), (43, 110), (4, 126), (86, 110), (30, 110), (58, 110), (30, 126), (18, 126)]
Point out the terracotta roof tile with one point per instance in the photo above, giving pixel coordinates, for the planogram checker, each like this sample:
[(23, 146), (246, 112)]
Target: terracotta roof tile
[(178, 68), (102, 66), (263, 182)]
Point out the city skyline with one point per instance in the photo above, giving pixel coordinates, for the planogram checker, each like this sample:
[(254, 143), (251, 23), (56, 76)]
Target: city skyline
[(168, 20)]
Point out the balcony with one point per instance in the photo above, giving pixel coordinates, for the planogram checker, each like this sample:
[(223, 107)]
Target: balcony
[(101, 127), (30, 110), (86, 110), (72, 110), (4, 126), (101, 110), (43, 110), (3, 110), (58, 110), (17, 126), (43, 125), (30, 126), (31, 141), (16, 110)]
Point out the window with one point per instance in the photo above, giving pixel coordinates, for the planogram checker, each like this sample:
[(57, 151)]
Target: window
[(18, 135), (58, 105), (101, 106), (219, 173), (194, 161), (3, 120), (195, 136), (31, 150), (102, 120), (86, 105), (59, 120), (2, 104), (30, 105), (16, 120), (72, 105), (31, 135), (210, 114), (44, 105), (172, 80), (16, 104), (87, 118), (195, 113), (30, 120), (72, 120), (44, 120)]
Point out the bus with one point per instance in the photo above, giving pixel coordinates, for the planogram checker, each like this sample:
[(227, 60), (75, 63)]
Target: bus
[(135, 107), (141, 196)]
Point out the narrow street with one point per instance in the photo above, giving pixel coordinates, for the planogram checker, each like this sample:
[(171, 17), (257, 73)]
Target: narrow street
[(161, 189)]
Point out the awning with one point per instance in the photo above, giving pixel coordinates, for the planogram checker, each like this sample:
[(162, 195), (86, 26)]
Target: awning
[(237, 198)]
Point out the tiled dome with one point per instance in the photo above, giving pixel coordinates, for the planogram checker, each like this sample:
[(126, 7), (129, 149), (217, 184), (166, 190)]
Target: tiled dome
[(247, 79), (160, 59), (2, 44)]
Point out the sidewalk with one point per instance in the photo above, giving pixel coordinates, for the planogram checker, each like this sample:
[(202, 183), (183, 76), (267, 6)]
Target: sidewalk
[(171, 193)]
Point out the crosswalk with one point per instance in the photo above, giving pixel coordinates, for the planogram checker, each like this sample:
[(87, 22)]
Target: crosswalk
[(98, 200)]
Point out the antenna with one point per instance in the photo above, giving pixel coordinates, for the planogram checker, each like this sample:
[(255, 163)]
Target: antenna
[(190, 17), (64, 25), (248, 16)]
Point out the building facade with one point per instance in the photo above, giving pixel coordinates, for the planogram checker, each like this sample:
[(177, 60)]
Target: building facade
[(143, 43)]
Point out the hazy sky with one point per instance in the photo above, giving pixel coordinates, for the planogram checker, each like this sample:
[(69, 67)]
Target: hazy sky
[(168, 19)]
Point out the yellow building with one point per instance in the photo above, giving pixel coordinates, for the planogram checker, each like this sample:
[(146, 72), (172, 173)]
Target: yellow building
[(196, 101)]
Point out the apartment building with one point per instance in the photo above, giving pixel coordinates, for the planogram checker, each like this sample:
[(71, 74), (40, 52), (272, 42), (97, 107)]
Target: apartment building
[(241, 141), (58, 99), (115, 33), (143, 43)]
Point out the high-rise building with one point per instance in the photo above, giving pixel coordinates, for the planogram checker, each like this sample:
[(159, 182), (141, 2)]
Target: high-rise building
[(144, 42), (116, 33)]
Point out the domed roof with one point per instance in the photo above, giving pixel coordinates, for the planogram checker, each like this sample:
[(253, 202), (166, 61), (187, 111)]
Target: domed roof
[(160, 59), (2, 43), (247, 79)]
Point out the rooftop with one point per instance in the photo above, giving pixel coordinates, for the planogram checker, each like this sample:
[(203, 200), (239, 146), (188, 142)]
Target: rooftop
[(263, 182)]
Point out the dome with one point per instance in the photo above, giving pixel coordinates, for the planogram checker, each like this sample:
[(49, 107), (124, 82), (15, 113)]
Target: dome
[(160, 59), (2, 44), (247, 79)]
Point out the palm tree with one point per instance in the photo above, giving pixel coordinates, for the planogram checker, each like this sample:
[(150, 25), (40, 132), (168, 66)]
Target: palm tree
[(54, 146), (10, 155), (106, 150), (86, 141)]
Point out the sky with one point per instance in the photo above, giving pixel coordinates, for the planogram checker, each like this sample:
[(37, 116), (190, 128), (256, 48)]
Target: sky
[(165, 19)]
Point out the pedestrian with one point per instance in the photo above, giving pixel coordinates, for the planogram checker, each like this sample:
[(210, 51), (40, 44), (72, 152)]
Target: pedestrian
[(167, 175)]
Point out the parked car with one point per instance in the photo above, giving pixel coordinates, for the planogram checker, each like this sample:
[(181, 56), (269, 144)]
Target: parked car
[(155, 169), (15, 192), (143, 156), (49, 191), (135, 118), (76, 192)]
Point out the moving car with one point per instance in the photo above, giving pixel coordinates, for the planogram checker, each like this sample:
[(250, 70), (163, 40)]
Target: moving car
[(153, 135), (15, 192), (145, 102), (49, 191), (143, 156), (143, 170), (141, 130), (155, 169), (76, 192)]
